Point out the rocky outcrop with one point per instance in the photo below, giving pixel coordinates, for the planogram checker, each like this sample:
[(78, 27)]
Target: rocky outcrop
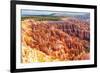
[(61, 40), (74, 28)]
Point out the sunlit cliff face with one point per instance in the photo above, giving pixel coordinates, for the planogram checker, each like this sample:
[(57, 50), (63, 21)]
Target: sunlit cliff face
[(44, 42)]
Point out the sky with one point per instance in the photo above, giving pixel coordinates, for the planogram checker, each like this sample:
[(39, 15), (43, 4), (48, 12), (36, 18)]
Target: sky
[(25, 12)]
